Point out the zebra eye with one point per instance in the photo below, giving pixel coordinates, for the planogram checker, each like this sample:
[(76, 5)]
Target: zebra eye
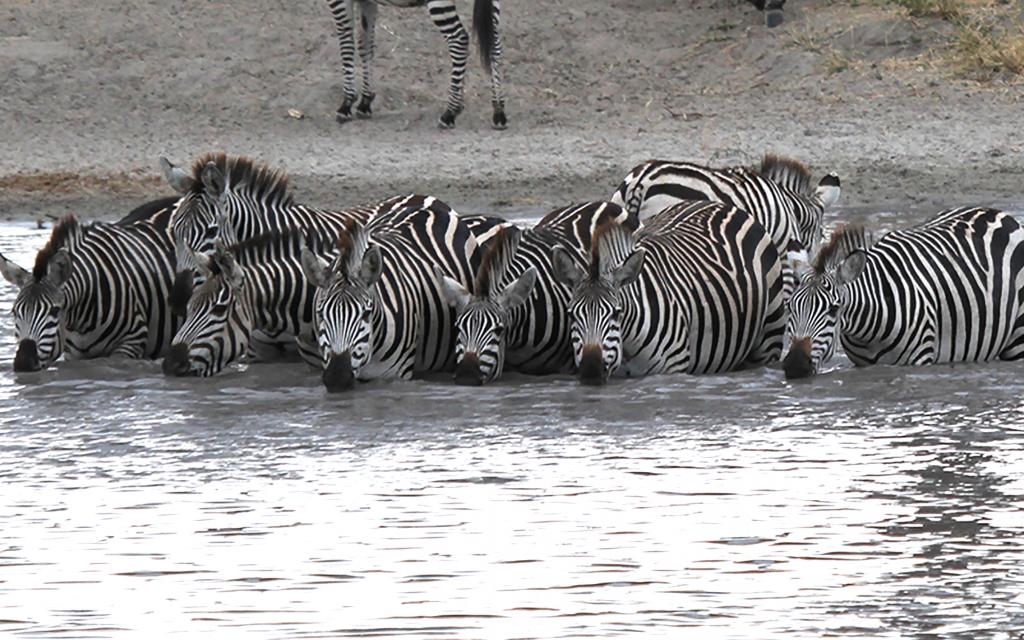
[(366, 313), (833, 310), (55, 312), (220, 309), (499, 331)]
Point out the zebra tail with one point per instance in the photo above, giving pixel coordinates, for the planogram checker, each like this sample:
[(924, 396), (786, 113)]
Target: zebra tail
[(483, 27)]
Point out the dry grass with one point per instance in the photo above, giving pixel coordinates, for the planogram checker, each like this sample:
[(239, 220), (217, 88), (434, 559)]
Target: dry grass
[(66, 183), (988, 37)]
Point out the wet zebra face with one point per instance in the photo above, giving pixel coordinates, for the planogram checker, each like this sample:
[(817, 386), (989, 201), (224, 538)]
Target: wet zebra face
[(218, 322), (596, 314), (344, 309), (482, 325), (816, 316), (38, 311)]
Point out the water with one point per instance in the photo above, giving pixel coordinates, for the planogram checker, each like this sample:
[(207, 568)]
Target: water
[(873, 503)]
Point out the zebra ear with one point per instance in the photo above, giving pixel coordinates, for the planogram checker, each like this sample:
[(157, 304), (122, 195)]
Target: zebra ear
[(178, 179), (233, 273), (372, 265), (13, 273), (852, 267), (213, 180), (315, 268), (828, 190), (59, 269), (203, 263), (565, 268), (456, 295), (630, 269), (519, 291)]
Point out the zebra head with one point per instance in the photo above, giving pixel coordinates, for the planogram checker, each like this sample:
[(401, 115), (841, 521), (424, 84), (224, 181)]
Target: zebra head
[(218, 319), (596, 307), (38, 310), (344, 306), (816, 307), (485, 315)]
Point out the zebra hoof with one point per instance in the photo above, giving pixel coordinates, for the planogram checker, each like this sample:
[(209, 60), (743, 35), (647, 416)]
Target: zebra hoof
[(447, 120), (772, 18), (364, 110), (343, 116), (500, 122)]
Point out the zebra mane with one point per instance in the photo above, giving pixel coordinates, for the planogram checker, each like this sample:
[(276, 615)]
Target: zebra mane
[(257, 179), (64, 236), (787, 172), (352, 243), (845, 240), (501, 250), (611, 244)]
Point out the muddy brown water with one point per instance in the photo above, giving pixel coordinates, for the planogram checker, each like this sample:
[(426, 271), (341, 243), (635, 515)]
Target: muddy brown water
[(876, 503)]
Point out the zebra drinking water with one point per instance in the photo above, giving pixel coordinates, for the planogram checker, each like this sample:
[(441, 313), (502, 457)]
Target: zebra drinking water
[(254, 286), (96, 290), (506, 318), (779, 193), (948, 290), (379, 310), (697, 290), (486, 24)]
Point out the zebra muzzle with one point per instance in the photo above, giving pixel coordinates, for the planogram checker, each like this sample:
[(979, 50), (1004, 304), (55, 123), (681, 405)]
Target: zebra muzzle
[(27, 357), (468, 372), (798, 361), (338, 374), (176, 362), (591, 369)]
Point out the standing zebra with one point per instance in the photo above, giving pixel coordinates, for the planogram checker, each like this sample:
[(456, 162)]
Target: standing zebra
[(486, 24), (506, 317), (948, 290), (780, 195), (698, 290), (252, 289), (96, 290), (379, 309)]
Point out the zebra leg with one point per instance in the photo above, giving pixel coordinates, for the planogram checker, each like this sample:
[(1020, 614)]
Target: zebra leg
[(341, 10), (446, 19), (366, 51), (487, 24)]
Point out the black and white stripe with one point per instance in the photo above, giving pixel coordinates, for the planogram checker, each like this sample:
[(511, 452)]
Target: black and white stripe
[(948, 290), (379, 308), (96, 290), (697, 290), (779, 194), (486, 24), (516, 315)]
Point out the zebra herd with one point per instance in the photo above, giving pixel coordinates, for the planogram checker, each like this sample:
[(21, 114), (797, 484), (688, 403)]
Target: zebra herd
[(685, 269)]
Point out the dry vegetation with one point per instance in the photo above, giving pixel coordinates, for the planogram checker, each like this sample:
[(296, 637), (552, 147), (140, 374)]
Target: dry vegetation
[(988, 38)]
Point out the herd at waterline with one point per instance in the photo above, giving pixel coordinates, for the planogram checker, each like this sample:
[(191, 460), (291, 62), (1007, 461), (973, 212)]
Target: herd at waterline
[(685, 269)]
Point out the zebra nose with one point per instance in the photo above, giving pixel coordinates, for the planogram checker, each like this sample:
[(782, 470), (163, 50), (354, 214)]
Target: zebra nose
[(176, 361), (338, 374), (591, 369), (27, 357), (468, 372), (798, 361)]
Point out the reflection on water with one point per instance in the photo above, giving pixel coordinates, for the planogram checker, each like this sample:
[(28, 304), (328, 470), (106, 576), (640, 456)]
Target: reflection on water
[(869, 503)]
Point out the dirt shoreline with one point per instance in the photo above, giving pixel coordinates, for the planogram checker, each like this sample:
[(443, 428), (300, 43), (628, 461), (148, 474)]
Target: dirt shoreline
[(593, 90)]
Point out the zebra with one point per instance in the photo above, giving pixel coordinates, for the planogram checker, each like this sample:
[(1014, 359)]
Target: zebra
[(379, 310), (250, 199), (779, 193), (950, 289), (486, 24), (517, 310), (96, 290), (253, 287), (697, 290)]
